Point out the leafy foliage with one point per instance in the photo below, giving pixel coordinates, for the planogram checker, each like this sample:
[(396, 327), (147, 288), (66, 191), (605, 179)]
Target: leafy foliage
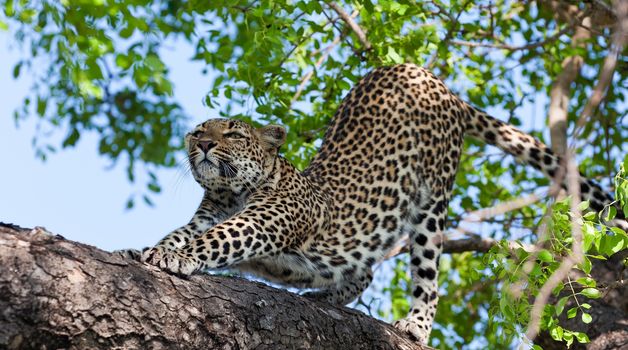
[(99, 70)]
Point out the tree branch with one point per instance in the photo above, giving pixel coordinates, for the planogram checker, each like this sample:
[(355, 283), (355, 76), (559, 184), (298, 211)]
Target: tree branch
[(56, 293), (352, 24), (528, 46), (475, 243), (560, 90), (620, 38), (310, 74)]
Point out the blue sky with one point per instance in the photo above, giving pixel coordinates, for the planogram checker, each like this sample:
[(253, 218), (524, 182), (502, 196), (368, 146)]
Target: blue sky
[(73, 193)]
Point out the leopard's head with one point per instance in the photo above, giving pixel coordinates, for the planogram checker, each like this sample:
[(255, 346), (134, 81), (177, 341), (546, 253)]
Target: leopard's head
[(232, 155)]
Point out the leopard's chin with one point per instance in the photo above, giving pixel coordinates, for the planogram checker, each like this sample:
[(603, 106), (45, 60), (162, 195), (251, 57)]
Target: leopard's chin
[(204, 169)]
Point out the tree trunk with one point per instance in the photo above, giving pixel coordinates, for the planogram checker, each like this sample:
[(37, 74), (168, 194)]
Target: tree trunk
[(56, 293)]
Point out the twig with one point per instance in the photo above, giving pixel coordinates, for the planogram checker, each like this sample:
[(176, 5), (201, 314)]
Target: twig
[(352, 24), (603, 5), (501, 208), (528, 46), (310, 74), (475, 243), (450, 32), (326, 51)]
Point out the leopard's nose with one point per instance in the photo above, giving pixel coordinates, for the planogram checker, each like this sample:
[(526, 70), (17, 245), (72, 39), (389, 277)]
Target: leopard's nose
[(205, 146)]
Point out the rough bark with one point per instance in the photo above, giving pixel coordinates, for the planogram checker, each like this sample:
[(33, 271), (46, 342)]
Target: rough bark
[(56, 293)]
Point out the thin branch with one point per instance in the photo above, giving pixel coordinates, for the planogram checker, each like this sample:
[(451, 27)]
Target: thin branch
[(475, 243), (352, 24), (528, 46), (454, 23), (501, 208), (559, 93), (603, 6), (326, 51), (310, 74)]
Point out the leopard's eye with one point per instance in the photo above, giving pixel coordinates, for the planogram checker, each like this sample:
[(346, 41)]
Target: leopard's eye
[(197, 133), (233, 135)]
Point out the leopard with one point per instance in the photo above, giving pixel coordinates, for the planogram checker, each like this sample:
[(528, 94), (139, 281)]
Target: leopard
[(385, 170)]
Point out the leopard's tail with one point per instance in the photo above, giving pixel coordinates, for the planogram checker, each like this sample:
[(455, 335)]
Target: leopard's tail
[(532, 151)]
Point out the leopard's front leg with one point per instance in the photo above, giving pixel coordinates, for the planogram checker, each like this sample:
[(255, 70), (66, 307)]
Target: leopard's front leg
[(241, 237), (209, 214), (166, 248)]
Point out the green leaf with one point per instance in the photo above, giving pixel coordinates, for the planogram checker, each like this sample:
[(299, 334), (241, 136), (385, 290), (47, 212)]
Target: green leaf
[(581, 337), (123, 61), (41, 106), (611, 212), (571, 313), (586, 281), (556, 333), (590, 235), (589, 216), (545, 256), (148, 201), (611, 244), (592, 293), (155, 63), (560, 306), (586, 265), (393, 56), (71, 139), (506, 308), (154, 187), (16, 69), (568, 338), (586, 318)]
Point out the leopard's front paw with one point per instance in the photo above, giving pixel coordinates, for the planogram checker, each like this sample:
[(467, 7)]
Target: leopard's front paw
[(416, 331), (131, 254), (173, 261)]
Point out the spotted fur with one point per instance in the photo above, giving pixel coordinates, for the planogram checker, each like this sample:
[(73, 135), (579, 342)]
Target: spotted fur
[(385, 169)]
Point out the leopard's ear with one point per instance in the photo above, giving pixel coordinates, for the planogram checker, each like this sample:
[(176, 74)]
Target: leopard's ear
[(272, 137)]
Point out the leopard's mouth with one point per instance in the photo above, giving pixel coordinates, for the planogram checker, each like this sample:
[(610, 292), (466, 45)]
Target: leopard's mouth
[(225, 168), (204, 165)]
